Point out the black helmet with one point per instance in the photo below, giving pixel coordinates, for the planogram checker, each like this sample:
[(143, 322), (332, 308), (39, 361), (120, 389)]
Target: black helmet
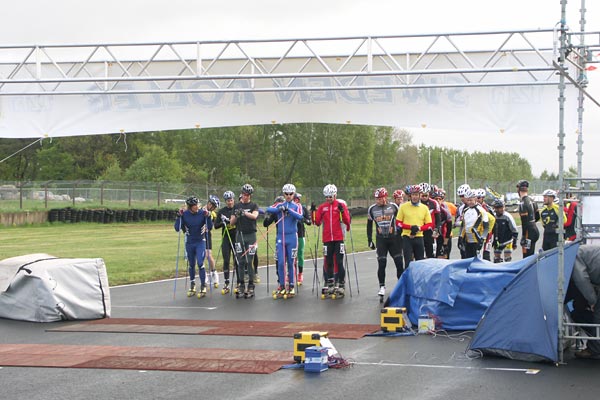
[(498, 203), (522, 184), (247, 189), (192, 201), (279, 199)]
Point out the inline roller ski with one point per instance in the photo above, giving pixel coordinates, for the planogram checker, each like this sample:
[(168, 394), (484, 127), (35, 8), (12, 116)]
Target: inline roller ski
[(381, 293), (192, 290), (291, 292), (249, 293), (226, 289), (202, 292), (239, 291), (279, 293), (213, 279), (332, 292), (300, 279)]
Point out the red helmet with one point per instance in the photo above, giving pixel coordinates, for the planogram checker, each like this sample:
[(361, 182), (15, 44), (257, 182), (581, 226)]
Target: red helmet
[(415, 189), (398, 194), (380, 193)]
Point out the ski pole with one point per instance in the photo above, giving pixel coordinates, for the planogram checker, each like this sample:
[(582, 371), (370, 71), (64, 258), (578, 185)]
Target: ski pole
[(354, 258), (235, 259), (177, 258)]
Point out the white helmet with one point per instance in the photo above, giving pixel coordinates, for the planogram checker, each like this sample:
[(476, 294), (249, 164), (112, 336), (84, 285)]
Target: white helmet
[(288, 188), (549, 192), (425, 187), (462, 189), (329, 190), (470, 194), (480, 193)]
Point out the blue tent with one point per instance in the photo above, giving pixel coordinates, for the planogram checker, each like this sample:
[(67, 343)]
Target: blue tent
[(522, 322), (455, 292)]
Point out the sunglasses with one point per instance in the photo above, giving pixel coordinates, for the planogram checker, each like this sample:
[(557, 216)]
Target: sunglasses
[(289, 194), (329, 197)]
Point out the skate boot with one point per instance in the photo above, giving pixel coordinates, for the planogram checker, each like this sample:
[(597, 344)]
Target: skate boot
[(239, 290), (328, 291), (278, 294), (338, 292), (214, 275), (226, 289), (248, 294), (192, 290), (300, 278), (202, 291), (291, 292), (381, 293)]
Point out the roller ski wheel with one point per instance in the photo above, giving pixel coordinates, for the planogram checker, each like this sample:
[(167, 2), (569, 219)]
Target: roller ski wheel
[(226, 289), (249, 294), (300, 279), (279, 293), (327, 293), (239, 292), (381, 293), (256, 278), (192, 290), (202, 292), (289, 294)]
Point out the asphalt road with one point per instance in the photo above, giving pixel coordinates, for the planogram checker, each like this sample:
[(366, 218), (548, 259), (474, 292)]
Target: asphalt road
[(416, 367)]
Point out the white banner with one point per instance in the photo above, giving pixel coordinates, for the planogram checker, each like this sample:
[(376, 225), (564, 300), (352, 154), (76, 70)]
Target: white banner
[(531, 109)]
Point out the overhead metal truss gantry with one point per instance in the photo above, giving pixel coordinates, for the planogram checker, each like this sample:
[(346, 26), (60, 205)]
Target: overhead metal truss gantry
[(519, 58)]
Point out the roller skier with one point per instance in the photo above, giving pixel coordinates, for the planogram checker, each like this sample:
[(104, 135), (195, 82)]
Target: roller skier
[(195, 223), (223, 221)]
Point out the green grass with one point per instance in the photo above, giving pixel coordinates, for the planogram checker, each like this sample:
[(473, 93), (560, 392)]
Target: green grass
[(134, 253)]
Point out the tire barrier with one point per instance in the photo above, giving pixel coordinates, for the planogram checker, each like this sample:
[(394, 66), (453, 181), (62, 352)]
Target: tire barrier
[(108, 216)]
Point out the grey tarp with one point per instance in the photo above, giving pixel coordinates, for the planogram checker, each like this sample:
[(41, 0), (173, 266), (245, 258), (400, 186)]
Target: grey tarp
[(44, 288)]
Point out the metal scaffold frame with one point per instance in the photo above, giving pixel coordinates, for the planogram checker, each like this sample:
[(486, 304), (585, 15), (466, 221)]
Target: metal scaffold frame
[(520, 58), (282, 64)]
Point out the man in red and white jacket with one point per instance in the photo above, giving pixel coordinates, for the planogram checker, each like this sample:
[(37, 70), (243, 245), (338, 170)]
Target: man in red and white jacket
[(332, 213)]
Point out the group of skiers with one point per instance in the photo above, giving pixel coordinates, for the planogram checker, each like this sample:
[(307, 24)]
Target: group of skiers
[(238, 224), (418, 224)]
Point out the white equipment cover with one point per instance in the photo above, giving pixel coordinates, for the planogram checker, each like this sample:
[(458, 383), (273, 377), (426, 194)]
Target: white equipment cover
[(44, 288)]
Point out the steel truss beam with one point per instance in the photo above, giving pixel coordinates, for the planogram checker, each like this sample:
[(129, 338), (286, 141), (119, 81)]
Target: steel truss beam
[(520, 58)]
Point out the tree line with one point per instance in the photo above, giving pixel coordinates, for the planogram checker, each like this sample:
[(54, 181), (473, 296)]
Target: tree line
[(309, 155)]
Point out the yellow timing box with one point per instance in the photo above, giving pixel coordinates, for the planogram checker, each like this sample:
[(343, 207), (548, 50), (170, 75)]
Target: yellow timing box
[(392, 319), (302, 340)]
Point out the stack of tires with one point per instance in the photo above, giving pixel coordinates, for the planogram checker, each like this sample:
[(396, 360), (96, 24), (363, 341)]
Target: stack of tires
[(108, 216)]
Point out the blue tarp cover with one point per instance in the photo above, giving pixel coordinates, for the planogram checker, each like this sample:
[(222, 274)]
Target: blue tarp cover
[(457, 292), (522, 322)]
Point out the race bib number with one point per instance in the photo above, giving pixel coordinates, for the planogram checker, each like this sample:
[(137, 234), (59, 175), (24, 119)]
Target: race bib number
[(342, 248), (324, 251), (294, 252), (238, 247)]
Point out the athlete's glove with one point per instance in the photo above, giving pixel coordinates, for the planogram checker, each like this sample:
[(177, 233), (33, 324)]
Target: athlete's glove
[(313, 207), (180, 212), (224, 219), (461, 244), (414, 230), (523, 242), (341, 208), (239, 212), (371, 245), (479, 244), (496, 244), (514, 243)]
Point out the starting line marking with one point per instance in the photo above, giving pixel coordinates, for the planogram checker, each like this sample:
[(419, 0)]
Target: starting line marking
[(528, 371), (166, 307)]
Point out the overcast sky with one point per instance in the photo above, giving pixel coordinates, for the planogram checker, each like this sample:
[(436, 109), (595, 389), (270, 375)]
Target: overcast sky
[(76, 21)]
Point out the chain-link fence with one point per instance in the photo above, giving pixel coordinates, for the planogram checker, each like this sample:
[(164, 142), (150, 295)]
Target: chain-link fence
[(15, 196)]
